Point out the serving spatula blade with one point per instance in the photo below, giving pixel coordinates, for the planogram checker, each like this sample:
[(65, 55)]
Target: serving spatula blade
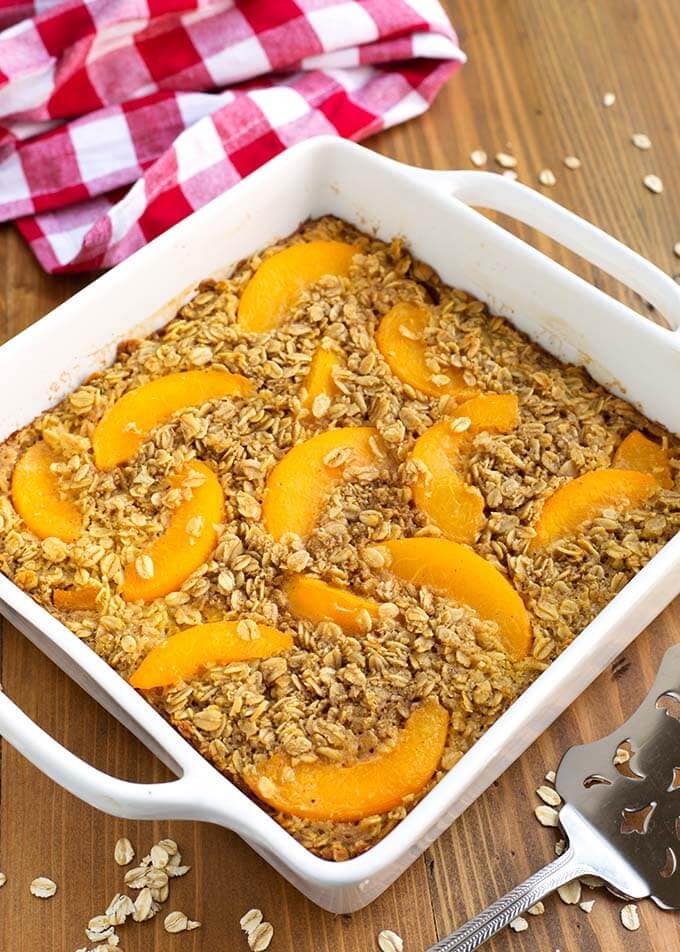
[(621, 815)]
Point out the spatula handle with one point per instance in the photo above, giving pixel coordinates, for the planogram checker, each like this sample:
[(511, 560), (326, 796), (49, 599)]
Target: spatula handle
[(502, 912)]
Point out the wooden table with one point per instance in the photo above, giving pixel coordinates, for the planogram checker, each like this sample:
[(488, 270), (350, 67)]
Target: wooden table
[(534, 85)]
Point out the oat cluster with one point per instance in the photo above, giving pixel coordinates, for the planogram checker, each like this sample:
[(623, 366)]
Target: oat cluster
[(335, 696), (151, 880)]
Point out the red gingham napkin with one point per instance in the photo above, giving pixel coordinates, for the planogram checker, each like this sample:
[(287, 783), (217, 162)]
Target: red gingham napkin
[(185, 97)]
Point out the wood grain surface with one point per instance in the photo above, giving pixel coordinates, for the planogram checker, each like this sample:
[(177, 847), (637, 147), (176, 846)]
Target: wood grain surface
[(534, 83)]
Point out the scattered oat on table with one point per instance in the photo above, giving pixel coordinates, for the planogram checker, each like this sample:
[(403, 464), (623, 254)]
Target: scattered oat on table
[(510, 174), (175, 922), (151, 878), (546, 816), (478, 157), (43, 888), (251, 920), (389, 941), (123, 852), (537, 909), (99, 929), (587, 905), (653, 183), (551, 776), (676, 249), (630, 918), (506, 160), (547, 177), (159, 857), (549, 795), (3, 880), (260, 937), (145, 907), (560, 847), (641, 141), (608, 100), (570, 893), (519, 924), (572, 162)]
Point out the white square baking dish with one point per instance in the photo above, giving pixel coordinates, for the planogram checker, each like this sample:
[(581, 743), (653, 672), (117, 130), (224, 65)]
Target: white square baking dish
[(628, 354)]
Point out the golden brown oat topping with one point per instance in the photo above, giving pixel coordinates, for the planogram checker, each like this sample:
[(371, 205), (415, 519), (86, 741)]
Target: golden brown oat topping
[(336, 696)]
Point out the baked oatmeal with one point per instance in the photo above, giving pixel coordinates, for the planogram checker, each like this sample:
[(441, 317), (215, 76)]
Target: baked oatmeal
[(397, 508)]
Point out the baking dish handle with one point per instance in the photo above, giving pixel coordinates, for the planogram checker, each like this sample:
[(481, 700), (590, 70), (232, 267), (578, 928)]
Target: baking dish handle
[(175, 799), (489, 190)]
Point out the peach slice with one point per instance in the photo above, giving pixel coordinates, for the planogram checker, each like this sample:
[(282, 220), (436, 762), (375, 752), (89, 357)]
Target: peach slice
[(186, 543), (320, 377), (35, 494), (278, 281), (203, 646), (639, 453), (76, 599), (585, 497), (440, 490), (300, 483), (401, 340), (318, 601), (373, 785), (456, 571), (122, 429)]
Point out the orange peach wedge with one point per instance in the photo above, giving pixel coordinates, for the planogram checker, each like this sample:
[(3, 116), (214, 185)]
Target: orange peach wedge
[(36, 496), (300, 483), (122, 429), (185, 545), (401, 340), (193, 650), (76, 599), (278, 281), (456, 571), (372, 785), (585, 497), (320, 380), (644, 455), (440, 490), (318, 601)]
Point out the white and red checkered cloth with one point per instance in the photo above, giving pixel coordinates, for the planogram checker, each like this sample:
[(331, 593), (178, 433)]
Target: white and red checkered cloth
[(185, 97)]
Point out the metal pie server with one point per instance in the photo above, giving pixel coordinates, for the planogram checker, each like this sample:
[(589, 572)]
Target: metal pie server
[(621, 815)]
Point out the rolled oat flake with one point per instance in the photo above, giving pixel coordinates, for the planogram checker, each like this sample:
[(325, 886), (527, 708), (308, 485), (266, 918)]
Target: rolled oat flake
[(653, 183), (630, 918), (250, 920), (546, 816), (260, 937), (505, 160), (43, 888), (641, 141), (570, 893), (123, 852), (549, 795), (389, 941), (175, 922)]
